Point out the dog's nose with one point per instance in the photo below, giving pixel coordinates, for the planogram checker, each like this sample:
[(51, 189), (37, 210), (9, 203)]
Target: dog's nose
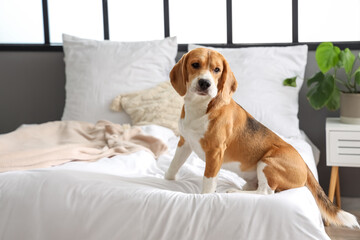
[(204, 84)]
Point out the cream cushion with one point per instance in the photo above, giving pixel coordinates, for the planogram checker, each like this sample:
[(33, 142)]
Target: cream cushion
[(159, 105)]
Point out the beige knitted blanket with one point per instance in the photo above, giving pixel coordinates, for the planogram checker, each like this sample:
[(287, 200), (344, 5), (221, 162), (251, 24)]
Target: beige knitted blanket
[(54, 143)]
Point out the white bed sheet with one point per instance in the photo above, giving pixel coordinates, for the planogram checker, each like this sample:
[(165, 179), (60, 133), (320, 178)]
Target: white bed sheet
[(126, 197)]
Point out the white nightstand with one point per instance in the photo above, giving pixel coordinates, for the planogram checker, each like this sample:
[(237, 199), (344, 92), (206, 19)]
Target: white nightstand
[(342, 149)]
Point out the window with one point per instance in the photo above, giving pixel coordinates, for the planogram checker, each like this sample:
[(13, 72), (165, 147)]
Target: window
[(39, 24), (200, 21), (329, 20), (262, 21), (21, 21), (134, 21), (82, 18)]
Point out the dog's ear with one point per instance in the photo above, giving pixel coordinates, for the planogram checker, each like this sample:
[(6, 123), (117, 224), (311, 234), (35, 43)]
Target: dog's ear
[(227, 84), (178, 76)]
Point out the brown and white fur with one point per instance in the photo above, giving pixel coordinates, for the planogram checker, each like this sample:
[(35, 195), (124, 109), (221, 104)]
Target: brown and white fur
[(221, 132)]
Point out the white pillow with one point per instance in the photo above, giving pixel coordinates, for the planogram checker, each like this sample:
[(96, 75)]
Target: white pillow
[(98, 71), (260, 72)]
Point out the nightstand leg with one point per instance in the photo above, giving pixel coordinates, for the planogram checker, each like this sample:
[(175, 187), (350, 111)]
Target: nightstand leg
[(333, 180), (337, 191)]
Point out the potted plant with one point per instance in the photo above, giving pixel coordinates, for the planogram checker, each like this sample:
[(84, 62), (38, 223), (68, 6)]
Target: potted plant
[(326, 89)]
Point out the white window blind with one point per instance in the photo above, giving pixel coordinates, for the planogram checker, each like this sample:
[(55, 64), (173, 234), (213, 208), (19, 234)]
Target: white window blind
[(82, 18), (262, 21), (329, 20), (200, 21), (21, 21), (136, 20)]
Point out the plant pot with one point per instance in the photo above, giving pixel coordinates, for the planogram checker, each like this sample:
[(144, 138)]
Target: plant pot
[(350, 108)]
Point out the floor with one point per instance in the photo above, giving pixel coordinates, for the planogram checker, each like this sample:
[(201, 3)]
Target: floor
[(351, 205)]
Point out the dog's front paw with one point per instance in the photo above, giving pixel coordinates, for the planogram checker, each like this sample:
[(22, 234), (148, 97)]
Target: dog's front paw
[(169, 176), (250, 186), (207, 192), (233, 190)]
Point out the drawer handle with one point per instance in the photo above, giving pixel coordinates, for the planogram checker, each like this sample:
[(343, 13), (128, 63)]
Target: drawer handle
[(348, 147), (348, 140), (350, 154)]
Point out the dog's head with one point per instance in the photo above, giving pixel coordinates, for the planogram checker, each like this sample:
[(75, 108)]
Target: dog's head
[(203, 72)]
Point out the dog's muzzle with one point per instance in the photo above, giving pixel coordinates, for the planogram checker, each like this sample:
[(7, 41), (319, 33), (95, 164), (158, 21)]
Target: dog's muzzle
[(203, 85)]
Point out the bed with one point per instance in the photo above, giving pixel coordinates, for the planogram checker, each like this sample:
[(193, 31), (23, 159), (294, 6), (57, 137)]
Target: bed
[(126, 196)]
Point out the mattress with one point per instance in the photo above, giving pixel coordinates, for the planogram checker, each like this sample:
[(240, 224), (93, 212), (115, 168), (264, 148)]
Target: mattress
[(127, 197)]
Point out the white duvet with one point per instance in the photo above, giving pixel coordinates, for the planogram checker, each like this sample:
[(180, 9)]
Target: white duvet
[(126, 197)]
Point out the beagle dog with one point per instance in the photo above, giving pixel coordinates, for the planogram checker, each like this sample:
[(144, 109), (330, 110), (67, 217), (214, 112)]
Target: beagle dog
[(221, 132)]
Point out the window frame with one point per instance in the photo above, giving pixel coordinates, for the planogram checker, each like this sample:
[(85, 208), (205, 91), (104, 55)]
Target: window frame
[(47, 46)]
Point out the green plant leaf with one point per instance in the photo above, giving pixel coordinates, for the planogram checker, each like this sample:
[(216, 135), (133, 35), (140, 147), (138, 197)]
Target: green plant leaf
[(327, 56), (316, 78), (321, 91), (357, 77), (346, 60), (291, 82), (334, 101)]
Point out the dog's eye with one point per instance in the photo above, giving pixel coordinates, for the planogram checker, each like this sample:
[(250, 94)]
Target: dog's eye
[(195, 65), (217, 70)]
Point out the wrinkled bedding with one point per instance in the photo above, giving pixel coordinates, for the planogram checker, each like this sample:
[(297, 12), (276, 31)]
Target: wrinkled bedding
[(126, 197), (57, 142)]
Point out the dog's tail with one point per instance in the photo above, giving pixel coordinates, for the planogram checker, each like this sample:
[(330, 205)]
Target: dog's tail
[(329, 211)]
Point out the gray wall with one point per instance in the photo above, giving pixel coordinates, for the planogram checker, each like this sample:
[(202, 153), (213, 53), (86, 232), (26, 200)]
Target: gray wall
[(32, 91), (31, 88)]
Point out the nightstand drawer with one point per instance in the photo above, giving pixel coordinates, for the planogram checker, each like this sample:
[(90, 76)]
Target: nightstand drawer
[(344, 148)]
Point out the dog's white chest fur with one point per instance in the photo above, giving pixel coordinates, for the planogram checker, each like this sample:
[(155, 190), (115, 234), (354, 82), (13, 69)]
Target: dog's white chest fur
[(195, 123)]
